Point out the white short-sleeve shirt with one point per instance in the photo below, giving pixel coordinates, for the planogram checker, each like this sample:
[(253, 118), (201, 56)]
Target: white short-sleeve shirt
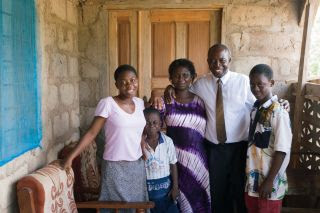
[(158, 161), (237, 103), (123, 130)]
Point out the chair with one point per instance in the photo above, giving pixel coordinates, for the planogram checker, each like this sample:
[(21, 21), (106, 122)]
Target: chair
[(50, 189), (53, 189), (87, 174)]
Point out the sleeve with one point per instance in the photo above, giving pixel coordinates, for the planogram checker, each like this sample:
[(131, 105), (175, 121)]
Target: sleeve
[(163, 114), (171, 151), (194, 88), (250, 100), (282, 131), (103, 108), (163, 110), (141, 103)]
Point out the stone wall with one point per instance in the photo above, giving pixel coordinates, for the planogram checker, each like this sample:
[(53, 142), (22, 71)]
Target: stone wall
[(93, 61), (266, 32), (257, 31), (58, 66)]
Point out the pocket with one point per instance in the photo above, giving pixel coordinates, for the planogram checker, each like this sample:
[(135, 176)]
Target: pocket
[(262, 139)]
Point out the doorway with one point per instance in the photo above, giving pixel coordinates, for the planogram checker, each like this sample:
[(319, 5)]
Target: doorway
[(151, 39)]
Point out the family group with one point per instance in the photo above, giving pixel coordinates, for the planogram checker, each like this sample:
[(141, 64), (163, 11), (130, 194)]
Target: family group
[(225, 148)]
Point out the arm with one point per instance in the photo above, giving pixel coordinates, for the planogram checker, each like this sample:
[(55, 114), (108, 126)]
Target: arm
[(174, 175), (250, 99), (156, 100), (144, 144), (90, 135), (266, 187)]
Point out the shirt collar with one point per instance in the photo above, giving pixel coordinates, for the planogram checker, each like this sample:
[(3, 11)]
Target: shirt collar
[(267, 103), (161, 139), (224, 78)]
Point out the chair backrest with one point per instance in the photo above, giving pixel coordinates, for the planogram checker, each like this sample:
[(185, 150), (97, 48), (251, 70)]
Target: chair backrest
[(47, 189), (87, 176)]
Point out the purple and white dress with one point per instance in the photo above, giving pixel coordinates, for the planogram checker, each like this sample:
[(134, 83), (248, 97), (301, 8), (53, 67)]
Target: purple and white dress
[(186, 125)]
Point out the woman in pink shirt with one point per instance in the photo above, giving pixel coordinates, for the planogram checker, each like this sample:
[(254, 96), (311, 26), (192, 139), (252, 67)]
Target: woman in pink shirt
[(121, 116)]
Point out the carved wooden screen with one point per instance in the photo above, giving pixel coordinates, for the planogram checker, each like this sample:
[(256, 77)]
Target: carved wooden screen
[(310, 138), (309, 148)]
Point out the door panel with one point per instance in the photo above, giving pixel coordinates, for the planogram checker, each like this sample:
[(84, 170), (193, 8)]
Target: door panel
[(151, 39), (122, 42), (198, 44), (163, 47)]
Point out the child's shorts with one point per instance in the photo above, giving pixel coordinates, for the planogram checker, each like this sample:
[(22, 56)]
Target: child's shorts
[(164, 205), (258, 205)]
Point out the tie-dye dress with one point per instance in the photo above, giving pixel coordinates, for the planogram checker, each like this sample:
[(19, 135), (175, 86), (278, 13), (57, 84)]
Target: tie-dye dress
[(186, 125)]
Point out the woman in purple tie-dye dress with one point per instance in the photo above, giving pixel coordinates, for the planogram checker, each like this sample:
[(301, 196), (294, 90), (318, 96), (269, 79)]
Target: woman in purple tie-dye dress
[(185, 120)]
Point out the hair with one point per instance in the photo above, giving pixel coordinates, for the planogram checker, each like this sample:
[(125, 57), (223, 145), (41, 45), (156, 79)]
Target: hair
[(151, 110), (123, 68), (217, 47), (262, 69), (182, 62)]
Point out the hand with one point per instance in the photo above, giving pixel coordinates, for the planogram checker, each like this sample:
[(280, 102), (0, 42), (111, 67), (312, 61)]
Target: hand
[(156, 99), (144, 145), (174, 193), (285, 104), (146, 103), (265, 189), (66, 164), (169, 94)]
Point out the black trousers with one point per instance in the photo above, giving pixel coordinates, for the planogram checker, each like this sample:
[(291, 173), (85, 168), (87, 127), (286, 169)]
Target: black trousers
[(227, 163)]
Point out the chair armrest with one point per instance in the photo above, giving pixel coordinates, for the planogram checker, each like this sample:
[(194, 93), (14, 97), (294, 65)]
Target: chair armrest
[(50, 187), (139, 206), (26, 200)]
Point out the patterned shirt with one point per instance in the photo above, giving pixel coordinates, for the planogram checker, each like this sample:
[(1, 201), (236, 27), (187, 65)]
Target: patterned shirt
[(270, 131)]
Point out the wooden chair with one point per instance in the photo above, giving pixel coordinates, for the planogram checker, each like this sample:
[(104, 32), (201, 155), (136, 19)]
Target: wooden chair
[(50, 189)]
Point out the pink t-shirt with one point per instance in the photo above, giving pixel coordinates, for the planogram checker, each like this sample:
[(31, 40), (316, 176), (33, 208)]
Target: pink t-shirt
[(123, 131)]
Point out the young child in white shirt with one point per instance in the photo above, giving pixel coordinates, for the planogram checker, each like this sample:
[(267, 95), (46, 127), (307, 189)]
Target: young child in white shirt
[(160, 162)]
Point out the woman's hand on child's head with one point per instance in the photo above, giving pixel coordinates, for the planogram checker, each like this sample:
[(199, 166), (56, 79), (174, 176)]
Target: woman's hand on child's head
[(285, 104), (156, 99), (265, 189), (169, 94)]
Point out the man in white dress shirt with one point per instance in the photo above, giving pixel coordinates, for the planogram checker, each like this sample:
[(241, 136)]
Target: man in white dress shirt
[(227, 157)]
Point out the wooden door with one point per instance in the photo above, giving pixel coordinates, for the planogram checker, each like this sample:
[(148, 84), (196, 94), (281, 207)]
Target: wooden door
[(157, 37)]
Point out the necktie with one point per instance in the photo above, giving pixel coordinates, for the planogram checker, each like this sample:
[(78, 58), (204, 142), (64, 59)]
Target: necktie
[(220, 125)]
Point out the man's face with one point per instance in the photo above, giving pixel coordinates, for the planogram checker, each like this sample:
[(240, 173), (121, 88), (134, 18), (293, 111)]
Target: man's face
[(218, 61)]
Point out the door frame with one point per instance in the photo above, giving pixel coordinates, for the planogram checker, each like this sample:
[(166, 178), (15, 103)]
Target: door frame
[(140, 10)]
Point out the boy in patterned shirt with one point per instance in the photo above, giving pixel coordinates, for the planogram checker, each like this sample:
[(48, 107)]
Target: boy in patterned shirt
[(269, 146), (160, 162)]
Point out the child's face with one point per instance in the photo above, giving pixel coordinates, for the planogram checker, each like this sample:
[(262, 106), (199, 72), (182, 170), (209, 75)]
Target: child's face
[(261, 87), (127, 84), (218, 61), (153, 125), (181, 78)]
